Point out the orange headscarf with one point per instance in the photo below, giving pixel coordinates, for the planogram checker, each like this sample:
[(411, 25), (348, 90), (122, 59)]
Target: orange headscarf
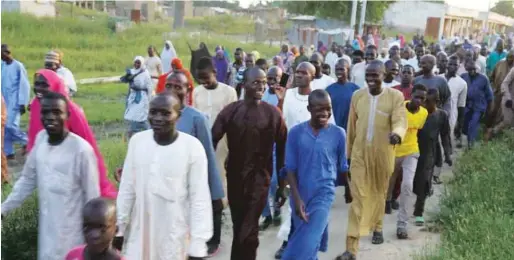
[(176, 64)]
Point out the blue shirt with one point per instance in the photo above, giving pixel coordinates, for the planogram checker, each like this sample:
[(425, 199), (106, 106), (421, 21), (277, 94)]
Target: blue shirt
[(493, 59), (316, 161), (194, 123), (479, 92), (341, 95)]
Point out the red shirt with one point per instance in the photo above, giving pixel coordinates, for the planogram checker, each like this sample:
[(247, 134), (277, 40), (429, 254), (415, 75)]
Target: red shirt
[(405, 91)]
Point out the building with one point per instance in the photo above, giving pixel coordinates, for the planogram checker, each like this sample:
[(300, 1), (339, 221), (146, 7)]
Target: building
[(308, 30), (439, 19), (39, 8)]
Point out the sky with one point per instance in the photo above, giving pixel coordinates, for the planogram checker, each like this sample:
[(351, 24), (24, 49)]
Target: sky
[(471, 4)]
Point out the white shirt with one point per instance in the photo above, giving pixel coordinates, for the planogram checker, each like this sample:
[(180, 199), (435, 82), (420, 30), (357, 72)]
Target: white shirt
[(323, 82), (294, 109), (359, 74), (212, 101), (459, 91), (68, 79), (331, 59), (153, 65), (66, 177), (164, 199), (393, 83)]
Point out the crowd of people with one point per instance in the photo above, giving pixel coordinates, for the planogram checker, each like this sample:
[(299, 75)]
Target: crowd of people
[(253, 135)]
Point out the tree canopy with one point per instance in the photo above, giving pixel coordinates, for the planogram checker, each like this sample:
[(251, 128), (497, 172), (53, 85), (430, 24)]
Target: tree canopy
[(504, 8), (339, 10), (221, 4)]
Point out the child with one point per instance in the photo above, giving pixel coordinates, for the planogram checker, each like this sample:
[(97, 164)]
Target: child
[(437, 124), (99, 228)]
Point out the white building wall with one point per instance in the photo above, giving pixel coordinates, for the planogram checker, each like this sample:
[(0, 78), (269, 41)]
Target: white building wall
[(38, 8), (412, 15)]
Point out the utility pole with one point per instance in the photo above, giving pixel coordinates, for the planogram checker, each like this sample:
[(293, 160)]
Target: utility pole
[(363, 17), (353, 18)]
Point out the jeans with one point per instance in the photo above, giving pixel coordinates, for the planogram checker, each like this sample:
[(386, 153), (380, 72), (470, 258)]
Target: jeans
[(272, 190)]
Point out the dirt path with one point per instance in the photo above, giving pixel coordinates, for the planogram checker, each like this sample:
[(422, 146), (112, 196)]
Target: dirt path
[(392, 249)]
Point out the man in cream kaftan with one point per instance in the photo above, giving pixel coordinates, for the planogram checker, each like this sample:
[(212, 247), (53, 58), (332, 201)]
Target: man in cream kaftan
[(164, 204), (372, 119), (66, 176), (210, 98)]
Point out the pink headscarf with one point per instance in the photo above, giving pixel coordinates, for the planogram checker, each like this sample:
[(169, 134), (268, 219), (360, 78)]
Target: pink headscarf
[(77, 124)]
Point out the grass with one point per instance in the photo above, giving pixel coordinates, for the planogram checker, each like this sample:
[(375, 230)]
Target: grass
[(477, 211), (92, 50), (222, 24)]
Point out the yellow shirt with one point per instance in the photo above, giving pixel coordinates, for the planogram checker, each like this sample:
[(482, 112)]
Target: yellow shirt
[(409, 143)]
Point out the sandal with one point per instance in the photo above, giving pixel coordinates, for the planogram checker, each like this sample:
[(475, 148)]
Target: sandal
[(401, 233), (378, 238), (420, 221), (346, 256)]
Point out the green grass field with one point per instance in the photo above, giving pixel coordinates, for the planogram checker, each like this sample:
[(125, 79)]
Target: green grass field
[(92, 50), (477, 211)]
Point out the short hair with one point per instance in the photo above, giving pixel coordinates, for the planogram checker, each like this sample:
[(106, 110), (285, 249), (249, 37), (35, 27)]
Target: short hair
[(239, 49), (433, 91), (358, 53), (55, 96), (391, 61), (325, 66), (420, 45), (407, 66), (420, 87), (372, 47), (261, 61), (454, 57), (317, 94), (205, 63)]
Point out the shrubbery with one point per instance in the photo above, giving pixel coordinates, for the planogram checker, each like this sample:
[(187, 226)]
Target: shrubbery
[(477, 211)]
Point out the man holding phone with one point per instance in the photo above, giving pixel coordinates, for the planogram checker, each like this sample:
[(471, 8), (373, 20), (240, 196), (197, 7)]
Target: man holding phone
[(274, 79)]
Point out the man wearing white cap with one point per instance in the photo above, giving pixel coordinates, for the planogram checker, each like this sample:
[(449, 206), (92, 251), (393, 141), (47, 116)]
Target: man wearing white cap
[(53, 61), (481, 60)]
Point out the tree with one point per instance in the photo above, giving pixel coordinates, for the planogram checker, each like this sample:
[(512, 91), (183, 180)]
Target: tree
[(504, 8), (339, 10)]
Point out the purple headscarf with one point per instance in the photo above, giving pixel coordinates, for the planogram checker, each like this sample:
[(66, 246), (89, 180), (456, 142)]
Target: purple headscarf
[(221, 64)]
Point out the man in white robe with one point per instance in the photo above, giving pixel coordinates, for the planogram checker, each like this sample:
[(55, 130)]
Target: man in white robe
[(210, 98), (164, 204), (63, 167), (320, 80), (53, 61)]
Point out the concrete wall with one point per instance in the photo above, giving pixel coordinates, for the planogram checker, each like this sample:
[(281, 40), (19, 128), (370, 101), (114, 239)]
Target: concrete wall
[(40, 8), (412, 15)]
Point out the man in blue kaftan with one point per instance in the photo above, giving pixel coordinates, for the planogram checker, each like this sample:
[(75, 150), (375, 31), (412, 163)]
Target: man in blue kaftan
[(15, 91), (479, 100), (315, 155)]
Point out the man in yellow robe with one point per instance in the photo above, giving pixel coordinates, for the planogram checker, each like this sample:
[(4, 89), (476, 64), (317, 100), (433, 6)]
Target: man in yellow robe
[(377, 122)]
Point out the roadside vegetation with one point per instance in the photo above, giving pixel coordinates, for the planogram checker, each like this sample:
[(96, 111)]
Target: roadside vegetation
[(477, 211)]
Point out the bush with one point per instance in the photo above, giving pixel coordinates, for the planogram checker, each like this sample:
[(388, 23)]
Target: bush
[(477, 211)]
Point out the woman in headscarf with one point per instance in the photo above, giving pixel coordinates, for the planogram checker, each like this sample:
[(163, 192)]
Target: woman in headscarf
[(138, 99), (225, 52), (222, 66), (167, 55), (49, 81), (176, 65)]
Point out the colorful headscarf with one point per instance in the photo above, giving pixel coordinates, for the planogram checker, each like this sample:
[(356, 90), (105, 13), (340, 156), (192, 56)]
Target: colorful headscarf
[(221, 64), (176, 63), (77, 124)]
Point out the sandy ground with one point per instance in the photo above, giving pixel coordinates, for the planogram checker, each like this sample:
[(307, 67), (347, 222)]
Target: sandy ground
[(392, 248)]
